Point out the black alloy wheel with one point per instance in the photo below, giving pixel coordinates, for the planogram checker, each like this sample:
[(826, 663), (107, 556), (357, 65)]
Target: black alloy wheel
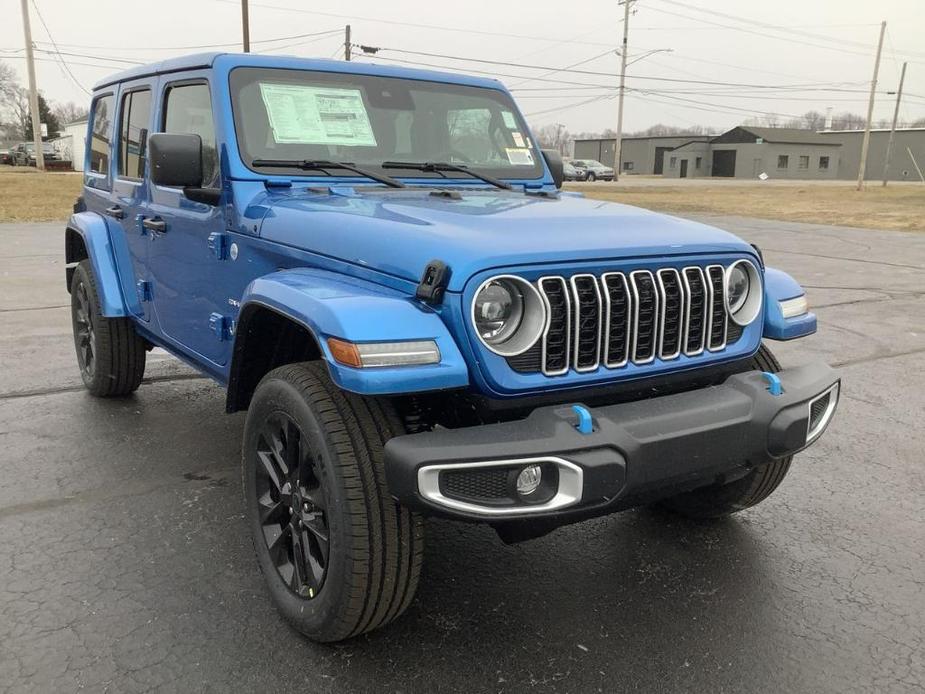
[(339, 556), (110, 353), (84, 335), (292, 502)]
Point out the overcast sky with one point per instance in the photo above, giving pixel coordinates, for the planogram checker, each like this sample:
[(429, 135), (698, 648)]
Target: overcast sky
[(788, 43)]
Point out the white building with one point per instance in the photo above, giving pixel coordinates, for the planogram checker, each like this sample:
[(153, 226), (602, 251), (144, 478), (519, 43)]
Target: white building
[(72, 143)]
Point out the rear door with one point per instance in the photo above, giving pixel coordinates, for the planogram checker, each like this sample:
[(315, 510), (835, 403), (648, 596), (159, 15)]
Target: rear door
[(129, 195), (99, 171), (191, 275)]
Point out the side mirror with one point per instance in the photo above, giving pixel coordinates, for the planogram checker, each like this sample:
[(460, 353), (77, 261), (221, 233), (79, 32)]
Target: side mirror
[(175, 160), (556, 167)]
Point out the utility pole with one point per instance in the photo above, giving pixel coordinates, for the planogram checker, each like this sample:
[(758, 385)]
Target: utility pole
[(246, 27), (347, 43), (33, 90), (618, 144), (889, 146), (865, 144)]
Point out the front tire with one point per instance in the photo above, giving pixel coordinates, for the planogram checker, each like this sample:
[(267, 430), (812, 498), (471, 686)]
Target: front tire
[(110, 354), (339, 556), (720, 500)]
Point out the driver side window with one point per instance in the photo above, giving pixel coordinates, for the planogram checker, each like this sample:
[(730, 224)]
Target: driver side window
[(188, 110)]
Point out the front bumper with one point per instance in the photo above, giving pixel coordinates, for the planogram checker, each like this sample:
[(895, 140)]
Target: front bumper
[(634, 452)]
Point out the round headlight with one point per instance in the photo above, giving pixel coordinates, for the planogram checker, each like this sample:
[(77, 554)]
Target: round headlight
[(508, 315), (743, 292), (499, 308), (737, 287)]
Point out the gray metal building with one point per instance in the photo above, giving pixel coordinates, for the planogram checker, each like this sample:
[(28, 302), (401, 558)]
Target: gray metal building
[(640, 155), (747, 152), (780, 153), (908, 151)]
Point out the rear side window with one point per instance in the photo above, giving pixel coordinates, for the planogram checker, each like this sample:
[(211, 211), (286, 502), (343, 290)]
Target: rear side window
[(133, 133), (100, 134), (188, 110)]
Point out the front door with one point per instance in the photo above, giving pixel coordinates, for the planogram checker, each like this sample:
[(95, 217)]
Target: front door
[(684, 168), (189, 276)]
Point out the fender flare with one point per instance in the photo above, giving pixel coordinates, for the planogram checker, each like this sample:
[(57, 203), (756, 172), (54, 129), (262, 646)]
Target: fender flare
[(328, 304), (92, 230), (779, 286)]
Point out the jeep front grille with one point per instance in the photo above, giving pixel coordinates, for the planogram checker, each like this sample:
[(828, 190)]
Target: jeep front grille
[(637, 317)]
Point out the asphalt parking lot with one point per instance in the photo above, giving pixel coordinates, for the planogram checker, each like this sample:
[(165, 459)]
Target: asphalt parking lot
[(125, 563)]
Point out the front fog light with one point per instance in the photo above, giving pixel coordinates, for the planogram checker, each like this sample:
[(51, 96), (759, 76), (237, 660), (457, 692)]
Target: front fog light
[(528, 481)]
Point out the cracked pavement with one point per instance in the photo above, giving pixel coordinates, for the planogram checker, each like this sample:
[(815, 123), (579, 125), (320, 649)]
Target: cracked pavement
[(125, 563)]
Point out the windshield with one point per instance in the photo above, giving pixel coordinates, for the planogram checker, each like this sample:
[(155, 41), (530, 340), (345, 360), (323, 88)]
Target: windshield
[(367, 120)]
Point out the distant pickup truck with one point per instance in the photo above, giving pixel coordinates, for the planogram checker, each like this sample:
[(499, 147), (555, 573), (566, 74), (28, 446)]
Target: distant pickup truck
[(378, 265)]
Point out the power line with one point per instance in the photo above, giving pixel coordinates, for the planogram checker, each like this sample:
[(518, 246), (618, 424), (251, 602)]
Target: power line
[(789, 29), (419, 25), (757, 33), (234, 44), (583, 85), (327, 35), (817, 86), (55, 61), (569, 67), (773, 27), (563, 108), (57, 50), (93, 57)]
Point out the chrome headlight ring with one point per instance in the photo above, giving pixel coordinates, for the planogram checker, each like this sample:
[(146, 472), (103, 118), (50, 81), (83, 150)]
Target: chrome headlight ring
[(531, 316), (746, 308)]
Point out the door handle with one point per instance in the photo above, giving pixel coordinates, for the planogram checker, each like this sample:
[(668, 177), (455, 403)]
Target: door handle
[(115, 211), (154, 224)]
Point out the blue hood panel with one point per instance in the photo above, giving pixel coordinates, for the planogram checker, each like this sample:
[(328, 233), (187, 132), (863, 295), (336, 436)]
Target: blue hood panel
[(399, 231)]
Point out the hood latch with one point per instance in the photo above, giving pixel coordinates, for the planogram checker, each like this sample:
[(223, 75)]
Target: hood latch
[(433, 282)]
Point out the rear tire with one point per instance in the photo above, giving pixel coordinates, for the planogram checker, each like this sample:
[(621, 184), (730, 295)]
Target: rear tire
[(339, 556), (720, 500), (110, 354)]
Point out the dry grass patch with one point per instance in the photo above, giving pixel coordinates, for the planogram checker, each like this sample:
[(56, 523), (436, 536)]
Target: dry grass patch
[(27, 195), (899, 207)]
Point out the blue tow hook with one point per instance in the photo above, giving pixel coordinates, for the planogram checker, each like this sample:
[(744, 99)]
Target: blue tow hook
[(774, 385), (584, 425)]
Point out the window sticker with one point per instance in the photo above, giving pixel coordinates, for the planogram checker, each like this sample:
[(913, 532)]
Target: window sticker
[(317, 115), (509, 120), (518, 139), (519, 157)]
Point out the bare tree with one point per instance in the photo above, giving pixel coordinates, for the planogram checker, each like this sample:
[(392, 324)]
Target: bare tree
[(813, 120), (8, 81), (69, 112), (553, 136), (848, 121), (17, 104), (9, 101)]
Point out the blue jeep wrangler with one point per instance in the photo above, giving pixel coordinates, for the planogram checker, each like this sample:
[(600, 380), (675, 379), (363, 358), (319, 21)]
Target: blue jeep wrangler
[(378, 265)]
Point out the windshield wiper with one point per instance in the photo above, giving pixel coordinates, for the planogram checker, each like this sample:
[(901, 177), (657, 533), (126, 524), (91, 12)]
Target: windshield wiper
[(320, 165), (440, 166)]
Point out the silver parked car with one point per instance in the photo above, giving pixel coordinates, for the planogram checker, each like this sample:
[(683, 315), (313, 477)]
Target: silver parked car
[(594, 170)]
